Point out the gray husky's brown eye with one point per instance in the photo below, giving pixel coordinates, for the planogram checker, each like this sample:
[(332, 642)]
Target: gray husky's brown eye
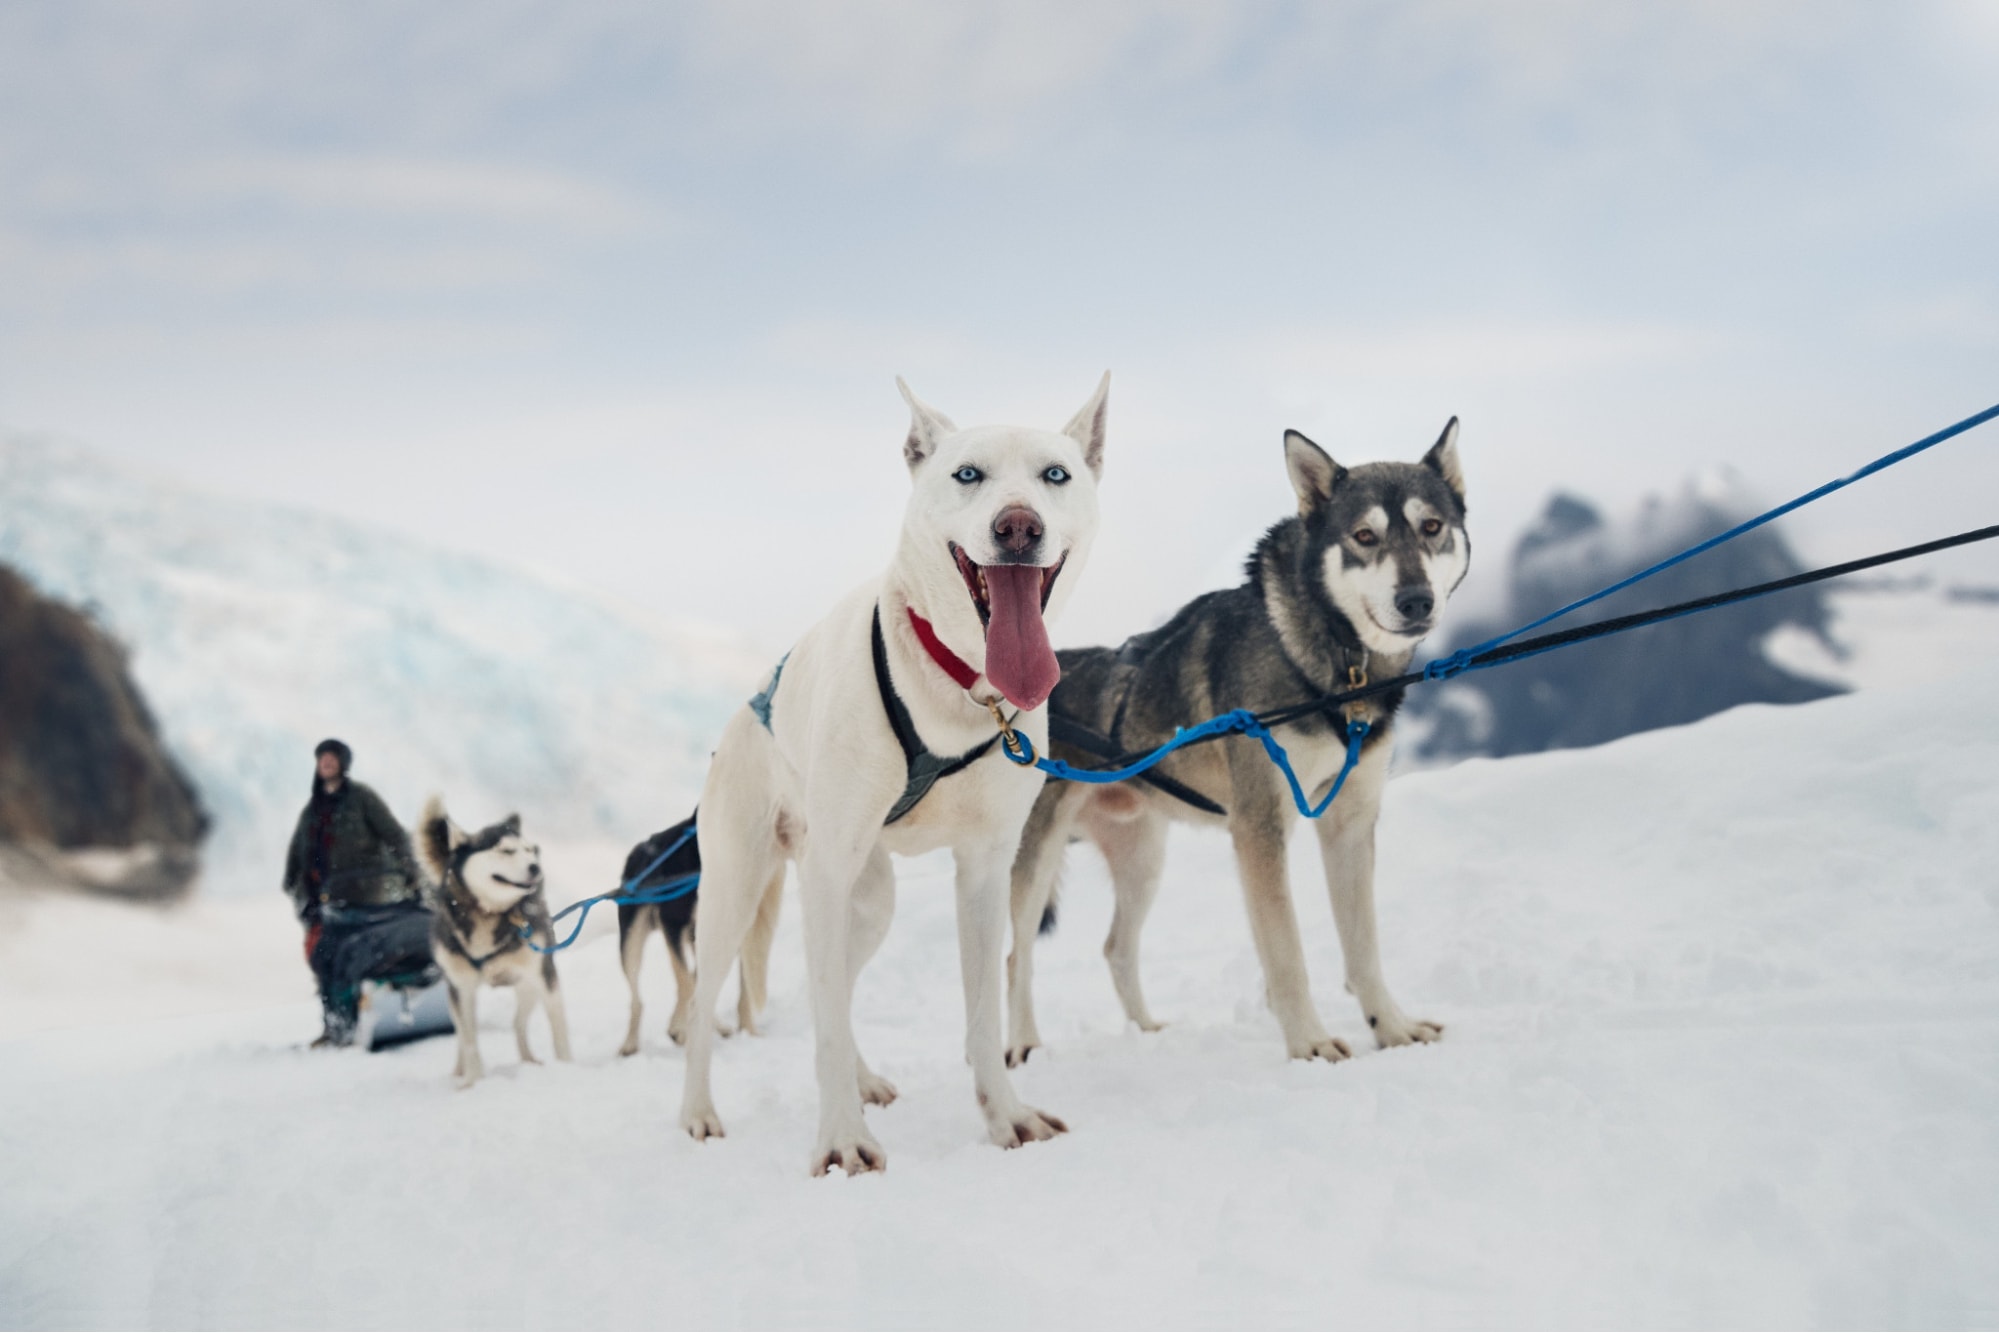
[(1431, 527), (1364, 537)]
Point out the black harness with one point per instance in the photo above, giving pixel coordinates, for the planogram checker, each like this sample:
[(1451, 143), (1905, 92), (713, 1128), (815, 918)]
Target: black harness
[(462, 926), (924, 768)]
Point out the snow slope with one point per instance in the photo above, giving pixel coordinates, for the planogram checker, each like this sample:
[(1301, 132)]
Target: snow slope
[(255, 631), (1723, 1049)]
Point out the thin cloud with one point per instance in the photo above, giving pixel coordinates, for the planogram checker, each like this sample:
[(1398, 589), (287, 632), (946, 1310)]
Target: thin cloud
[(419, 188)]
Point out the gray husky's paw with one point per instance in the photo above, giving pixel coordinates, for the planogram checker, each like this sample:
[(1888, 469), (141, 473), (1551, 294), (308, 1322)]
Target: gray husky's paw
[(1321, 1048)]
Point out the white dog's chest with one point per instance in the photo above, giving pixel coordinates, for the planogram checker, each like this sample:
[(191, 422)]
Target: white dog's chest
[(989, 798)]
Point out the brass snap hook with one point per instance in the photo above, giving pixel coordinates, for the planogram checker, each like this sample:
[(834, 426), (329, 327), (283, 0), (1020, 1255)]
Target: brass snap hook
[(1008, 738)]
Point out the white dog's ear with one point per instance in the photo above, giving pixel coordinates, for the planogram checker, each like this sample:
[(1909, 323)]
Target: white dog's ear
[(1443, 460), (927, 427), (1313, 471), (1087, 426)]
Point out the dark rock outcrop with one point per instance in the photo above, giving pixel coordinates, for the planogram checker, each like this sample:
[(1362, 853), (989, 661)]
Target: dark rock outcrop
[(1660, 676), (87, 788)]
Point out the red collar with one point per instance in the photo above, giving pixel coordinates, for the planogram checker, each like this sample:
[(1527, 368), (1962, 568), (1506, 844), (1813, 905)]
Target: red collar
[(954, 665)]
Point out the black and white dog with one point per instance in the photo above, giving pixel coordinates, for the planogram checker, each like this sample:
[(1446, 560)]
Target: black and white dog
[(674, 919), (876, 736), (489, 903), (1340, 594)]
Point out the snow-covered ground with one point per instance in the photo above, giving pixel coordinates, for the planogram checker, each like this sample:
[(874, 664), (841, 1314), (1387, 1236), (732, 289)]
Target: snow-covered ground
[(1723, 1049)]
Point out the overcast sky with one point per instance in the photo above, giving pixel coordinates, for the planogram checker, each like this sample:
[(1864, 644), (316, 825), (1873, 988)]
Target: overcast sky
[(620, 291)]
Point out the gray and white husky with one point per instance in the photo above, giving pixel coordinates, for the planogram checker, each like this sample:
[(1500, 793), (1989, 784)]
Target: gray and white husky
[(876, 735), (489, 890), (1336, 596)]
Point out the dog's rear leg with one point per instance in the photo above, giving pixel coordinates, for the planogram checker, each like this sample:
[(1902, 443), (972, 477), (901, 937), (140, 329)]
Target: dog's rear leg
[(631, 952), (1136, 852), (1037, 865), (753, 964), (683, 991), (869, 917), (740, 851), (1346, 845)]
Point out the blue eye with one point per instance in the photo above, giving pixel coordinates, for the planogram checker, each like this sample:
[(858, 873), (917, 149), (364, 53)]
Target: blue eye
[(1056, 475), (968, 474)]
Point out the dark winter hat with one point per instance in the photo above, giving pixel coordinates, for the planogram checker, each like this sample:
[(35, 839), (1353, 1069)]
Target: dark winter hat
[(339, 750)]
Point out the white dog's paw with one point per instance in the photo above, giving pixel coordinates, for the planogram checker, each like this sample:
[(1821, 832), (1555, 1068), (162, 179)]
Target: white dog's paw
[(463, 1081), (852, 1153), (1397, 1029), (701, 1124), (1025, 1125), (876, 1090), (631, 1046), (1016, 1054), (1330, 1049)]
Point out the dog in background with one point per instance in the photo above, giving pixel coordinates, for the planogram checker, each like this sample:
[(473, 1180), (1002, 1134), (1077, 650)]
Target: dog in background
[(1337, 595), (489, 904), (674, 920)]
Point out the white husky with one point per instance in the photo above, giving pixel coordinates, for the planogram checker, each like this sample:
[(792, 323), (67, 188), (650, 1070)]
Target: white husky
[(876, 735)]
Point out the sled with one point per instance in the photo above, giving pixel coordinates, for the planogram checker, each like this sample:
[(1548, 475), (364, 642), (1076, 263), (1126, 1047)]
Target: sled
[(393, 1014)]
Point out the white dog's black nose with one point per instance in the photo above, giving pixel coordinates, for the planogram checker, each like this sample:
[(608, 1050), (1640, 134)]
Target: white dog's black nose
[(1415, 603), (1017, 530)]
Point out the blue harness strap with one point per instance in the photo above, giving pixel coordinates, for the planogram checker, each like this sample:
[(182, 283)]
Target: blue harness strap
[(761, 701), (1020, 749)]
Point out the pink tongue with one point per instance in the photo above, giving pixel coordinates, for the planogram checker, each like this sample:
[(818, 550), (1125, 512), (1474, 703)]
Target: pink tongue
[(1019, 662)]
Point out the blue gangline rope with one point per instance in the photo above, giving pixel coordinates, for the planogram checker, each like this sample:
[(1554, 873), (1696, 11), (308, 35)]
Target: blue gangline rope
[(678, 887), (1020, 749), (1444, 668)]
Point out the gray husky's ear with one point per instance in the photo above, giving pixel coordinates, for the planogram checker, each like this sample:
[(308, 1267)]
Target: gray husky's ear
[(1313, 472), (927, 426), (1443, 460), (1087, 426)]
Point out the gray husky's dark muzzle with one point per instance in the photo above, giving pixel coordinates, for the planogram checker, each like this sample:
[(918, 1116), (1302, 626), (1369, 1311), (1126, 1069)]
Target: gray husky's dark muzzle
[(1415, 604)]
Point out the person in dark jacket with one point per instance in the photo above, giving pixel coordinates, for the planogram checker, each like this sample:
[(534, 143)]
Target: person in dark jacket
[(353, 879)]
